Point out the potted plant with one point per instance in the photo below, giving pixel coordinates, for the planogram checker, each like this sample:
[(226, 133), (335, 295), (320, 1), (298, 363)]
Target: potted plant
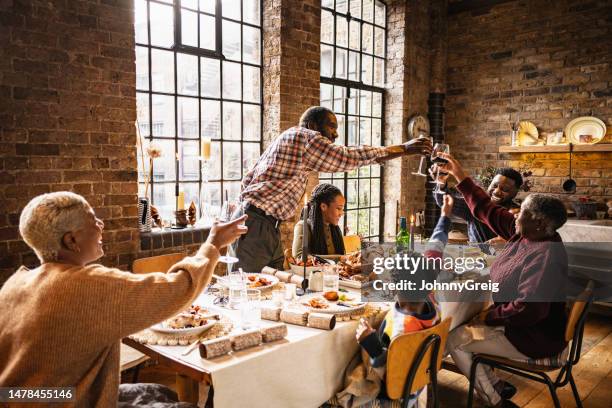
[(585, 208)]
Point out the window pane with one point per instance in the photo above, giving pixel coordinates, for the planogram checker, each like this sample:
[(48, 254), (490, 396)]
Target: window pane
[(327, 27), (252, 122), (341, 31), (140, 22), (142, 68), (211, 123), (213, 193), (142, 160), (379, 72), (162, 25), (376, 132), (162, 65), (252, 45), (366, 69), (231, 161), (189, 161), (231, 40), (231, 9), (233, 189), (380, 13), (375, 195), (339, 99), (191, 191), (379, 42), (341, 63), (231, 86), (232, 121), (353, 73), (352, 103), (189, 28), (214, 165), (142, 113), (364, 193), (355, 8), (191, 4), (377, 104), (208, 6), (327, 67), (374, 224), (207, 32), (326, 96), (251, 84), (365, 103), (341, 140), (341, 6), (327, 3), (367, 41), (351, 227), (354, 35), (164, 167), (365, 131), (364, 222), (250, 156), (188, 117), (250, 11), (352, 131), (210, 77), (187, 74), (163, 116), (164, 200), (368, 10), (351, 194)]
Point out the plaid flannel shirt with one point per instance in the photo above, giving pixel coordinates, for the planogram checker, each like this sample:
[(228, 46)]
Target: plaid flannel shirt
[(278, 179)]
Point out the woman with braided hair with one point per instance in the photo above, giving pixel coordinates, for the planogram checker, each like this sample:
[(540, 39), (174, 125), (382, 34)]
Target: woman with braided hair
[(325, 236)]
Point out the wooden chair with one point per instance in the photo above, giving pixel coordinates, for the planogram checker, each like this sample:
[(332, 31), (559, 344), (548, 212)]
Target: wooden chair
[(536, 369), (352, 243), (413, 361), (160, 263), (130, 358)]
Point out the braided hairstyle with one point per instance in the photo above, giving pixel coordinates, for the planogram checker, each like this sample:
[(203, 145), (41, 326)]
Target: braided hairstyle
[(323, 193)]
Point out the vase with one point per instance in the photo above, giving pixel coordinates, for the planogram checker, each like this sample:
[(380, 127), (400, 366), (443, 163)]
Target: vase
[(145, 222)]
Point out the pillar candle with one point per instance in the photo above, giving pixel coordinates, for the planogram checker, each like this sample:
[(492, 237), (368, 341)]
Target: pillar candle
[(305, 232), (181, 201), (206, 148), (412, 232)]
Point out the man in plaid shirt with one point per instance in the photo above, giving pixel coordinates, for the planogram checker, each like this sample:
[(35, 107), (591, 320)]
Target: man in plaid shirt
[(272, 189)]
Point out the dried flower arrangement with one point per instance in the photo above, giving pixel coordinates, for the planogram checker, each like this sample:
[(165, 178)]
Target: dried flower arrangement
[(153, 152)]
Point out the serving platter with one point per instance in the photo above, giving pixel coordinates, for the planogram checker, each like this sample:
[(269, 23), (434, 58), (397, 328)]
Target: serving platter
[(350, 305), (585, 130)]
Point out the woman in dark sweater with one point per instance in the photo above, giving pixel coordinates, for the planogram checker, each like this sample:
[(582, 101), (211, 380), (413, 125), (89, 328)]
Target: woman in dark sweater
[(528, 318)]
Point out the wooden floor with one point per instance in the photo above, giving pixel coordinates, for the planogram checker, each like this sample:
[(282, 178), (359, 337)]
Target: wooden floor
[(593, 376)]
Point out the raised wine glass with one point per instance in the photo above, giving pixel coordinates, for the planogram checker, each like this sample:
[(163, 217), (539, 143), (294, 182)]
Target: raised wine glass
[(422, 163), (439, 148)]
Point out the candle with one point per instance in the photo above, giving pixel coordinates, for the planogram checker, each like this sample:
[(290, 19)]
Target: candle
[(411, 232), (181, 201), (305, 233), (206, 148), (396, 216)]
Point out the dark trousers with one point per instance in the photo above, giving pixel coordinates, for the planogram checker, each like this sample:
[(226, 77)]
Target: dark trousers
[(261, 245)]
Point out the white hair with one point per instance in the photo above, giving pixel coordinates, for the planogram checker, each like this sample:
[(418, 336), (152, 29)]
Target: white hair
[(46, 218)]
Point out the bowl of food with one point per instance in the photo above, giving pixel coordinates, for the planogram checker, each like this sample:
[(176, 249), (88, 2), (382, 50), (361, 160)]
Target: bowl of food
[(313, 263), (192, 321)]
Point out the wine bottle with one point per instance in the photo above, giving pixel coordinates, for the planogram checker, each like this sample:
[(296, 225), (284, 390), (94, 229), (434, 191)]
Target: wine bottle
[(402, 241)]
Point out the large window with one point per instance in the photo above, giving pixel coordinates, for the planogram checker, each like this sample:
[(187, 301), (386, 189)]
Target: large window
[(352, 85), (198, 77)]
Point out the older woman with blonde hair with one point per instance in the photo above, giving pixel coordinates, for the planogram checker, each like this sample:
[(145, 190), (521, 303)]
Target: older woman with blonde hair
[(63, 321)]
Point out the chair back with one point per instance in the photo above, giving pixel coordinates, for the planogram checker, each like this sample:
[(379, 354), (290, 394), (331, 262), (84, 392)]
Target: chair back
[(412, 357), (352, 243), (577, 312), (160, 263)]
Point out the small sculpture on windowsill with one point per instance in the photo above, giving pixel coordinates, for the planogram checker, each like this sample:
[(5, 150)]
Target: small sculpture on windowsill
[(180, 219), (156, 218), (192, 213)]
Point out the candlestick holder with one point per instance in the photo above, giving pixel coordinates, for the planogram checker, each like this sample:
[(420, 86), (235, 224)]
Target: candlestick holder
[(206, 217)]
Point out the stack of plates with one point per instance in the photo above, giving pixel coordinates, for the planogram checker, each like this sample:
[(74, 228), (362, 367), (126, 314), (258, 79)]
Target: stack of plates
[(585, 130)]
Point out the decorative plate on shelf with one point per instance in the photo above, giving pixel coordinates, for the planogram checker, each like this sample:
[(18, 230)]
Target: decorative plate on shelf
[(527, 134), (585, 130)]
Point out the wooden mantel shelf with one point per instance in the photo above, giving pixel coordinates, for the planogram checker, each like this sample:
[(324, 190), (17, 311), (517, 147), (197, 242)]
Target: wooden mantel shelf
[(603, 147)]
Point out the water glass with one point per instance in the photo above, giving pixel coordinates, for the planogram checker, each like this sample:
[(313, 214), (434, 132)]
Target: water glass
[(237, 289), (250, 309), (331, 279), (278, 296), (290, 291)]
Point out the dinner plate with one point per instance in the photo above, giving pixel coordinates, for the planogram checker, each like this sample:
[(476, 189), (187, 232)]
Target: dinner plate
[(273, 280), (336, 306), (585, 130), (160, 327)]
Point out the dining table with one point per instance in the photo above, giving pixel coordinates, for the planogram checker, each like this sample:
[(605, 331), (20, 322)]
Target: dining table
[(305, 369)]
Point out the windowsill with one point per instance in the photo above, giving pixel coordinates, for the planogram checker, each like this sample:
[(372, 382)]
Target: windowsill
[(170, 238)]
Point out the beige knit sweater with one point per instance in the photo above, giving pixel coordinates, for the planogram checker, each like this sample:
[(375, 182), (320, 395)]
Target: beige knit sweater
[(61, 325)]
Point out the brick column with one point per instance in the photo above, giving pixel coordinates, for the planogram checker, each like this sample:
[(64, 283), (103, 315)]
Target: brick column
[(291, 35)]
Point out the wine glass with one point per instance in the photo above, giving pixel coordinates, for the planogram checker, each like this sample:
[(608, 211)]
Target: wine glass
[(422, 163), (227, 209), (439, 148)]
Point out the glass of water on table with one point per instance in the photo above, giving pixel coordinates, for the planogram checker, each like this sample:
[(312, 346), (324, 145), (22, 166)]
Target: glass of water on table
[(250, 309)]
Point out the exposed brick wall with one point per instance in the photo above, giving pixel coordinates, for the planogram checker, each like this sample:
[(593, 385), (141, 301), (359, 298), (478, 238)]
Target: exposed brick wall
[(541, 63), (292, 71), (67, 97)]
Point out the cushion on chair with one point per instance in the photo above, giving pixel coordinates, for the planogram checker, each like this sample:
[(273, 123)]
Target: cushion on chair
[(540, 364)]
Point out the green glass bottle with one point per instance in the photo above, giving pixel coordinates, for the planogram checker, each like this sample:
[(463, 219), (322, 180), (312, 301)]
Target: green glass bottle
[(402, 241)]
